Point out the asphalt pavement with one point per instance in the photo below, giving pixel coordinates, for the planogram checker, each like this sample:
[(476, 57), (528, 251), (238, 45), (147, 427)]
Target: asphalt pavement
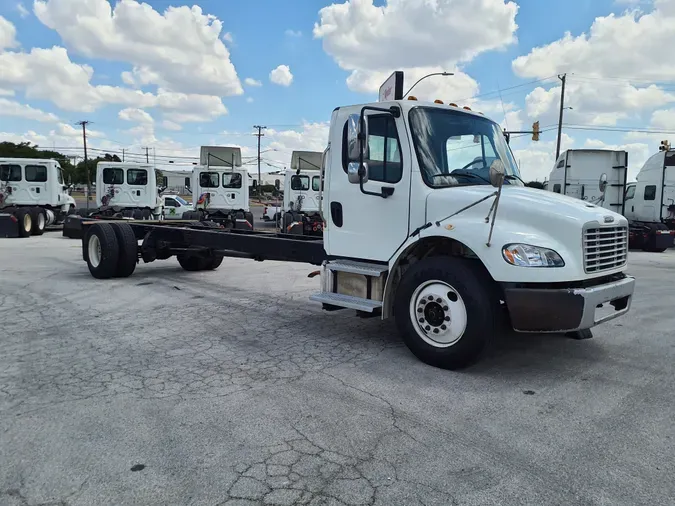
[(230, 387)]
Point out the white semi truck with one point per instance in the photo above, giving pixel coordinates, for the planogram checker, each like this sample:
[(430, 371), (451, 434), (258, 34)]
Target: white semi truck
[(600, 177), (220, 190), (33, 195), (427, 222), (127, 190), (302, 194)]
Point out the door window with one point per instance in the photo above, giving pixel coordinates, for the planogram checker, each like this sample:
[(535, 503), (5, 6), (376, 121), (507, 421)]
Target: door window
[(36, 173), (561, 164), (137, 177), (650, 192), (300, 183), (384, 162), (113, 176), (316, 183), (10, 173), (208, 179), (232, 180), (630, 193), (170, 203), (556, 188)]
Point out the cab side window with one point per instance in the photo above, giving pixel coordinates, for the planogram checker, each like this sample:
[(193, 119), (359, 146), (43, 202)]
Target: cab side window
[(385, 162), (650, 192), (630, 193), (556, 188)]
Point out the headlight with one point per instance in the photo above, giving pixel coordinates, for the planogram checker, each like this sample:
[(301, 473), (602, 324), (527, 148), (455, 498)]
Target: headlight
[(524, 255)]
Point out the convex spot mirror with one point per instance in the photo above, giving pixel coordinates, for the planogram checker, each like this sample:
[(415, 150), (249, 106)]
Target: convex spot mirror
[(602, 184), (357, 137), (497, 172), (356, 174)]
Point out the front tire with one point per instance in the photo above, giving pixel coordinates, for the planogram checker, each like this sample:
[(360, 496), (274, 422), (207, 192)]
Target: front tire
[(445, 312)]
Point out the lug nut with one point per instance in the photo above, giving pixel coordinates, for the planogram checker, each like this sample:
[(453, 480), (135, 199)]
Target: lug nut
[(427, 327), (447, 318), (435, 331), (443, 327), (431, 297), (439, 300), (419, 310), (421, 320), (445, 308)]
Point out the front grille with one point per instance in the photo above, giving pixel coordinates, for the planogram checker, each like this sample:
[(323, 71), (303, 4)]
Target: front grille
[(605, 248)]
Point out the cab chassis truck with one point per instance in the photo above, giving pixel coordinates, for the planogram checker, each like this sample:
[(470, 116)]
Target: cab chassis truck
[(435, 230)]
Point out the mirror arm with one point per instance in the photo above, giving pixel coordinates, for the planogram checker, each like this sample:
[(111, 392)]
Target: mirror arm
[(385, 191)]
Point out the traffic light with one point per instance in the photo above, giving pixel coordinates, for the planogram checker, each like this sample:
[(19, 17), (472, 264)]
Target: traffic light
[(535, 131), (665, 146)]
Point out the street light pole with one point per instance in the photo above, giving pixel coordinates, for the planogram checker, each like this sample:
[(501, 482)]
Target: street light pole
[(423, 78), (563, 78)]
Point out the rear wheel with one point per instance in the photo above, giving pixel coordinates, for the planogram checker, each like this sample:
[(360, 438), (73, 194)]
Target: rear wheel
[(25, 222), (192, 263), (39, 220), (213, 263), (128, 249), (102, 250), (445, 312), (147, 214), (137, 214)]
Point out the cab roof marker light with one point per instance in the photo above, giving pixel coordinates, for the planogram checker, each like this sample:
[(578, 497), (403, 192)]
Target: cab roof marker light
[(451, 104), (411, 97), (466, 107), (437, 101)]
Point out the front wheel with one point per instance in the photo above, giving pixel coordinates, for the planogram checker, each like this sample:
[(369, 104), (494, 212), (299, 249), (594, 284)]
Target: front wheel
[(445, 312)]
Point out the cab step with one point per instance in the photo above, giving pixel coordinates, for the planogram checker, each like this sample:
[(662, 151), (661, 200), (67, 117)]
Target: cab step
[(354, 267), (347, 301)]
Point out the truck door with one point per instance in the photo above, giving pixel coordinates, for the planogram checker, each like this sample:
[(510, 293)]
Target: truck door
[(36, 178), (10, 184), (668, 209), (136, 189), (110, 181), (629, 199), (369, 226), (233, 194)]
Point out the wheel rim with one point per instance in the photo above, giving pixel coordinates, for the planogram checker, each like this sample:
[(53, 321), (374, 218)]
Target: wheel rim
[(41, 221), (438, 313), (27, 222), (94, 251)]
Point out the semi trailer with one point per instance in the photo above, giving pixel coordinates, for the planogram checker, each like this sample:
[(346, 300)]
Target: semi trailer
[(33, 195), (427, 222)]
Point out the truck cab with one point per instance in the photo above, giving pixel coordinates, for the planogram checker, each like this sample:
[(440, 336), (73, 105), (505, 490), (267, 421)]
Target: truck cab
[(34, 189), (129, 189), (220, 188), (302, 194)]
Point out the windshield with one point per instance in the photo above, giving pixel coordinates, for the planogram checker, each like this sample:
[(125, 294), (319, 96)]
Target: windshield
[(454, 148), (181, 200)]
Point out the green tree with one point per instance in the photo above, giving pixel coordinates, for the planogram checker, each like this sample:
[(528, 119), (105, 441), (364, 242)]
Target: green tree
[(535, 184)]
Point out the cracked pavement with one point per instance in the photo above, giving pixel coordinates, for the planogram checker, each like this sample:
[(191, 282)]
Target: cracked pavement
[(231, 388)]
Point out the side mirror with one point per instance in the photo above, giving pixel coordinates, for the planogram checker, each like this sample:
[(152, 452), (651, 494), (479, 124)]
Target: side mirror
[(355, 175), (602, 184), (497, 173), (357, 137)]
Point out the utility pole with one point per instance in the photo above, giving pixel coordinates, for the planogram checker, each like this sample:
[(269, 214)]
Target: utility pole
[(563, 78), (86, 165), (259, 135), (122, 154), (147, 156)]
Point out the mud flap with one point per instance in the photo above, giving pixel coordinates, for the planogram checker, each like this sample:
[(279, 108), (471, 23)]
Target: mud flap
[(9, 227), (72, 227)]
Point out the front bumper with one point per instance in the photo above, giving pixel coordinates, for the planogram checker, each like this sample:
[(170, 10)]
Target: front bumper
[(567, 309)]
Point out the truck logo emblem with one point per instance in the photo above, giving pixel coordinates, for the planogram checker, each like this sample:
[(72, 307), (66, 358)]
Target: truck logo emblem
[(609, 219)]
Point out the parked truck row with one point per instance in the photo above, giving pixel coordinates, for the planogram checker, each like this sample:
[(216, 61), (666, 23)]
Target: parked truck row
[(425, 221)]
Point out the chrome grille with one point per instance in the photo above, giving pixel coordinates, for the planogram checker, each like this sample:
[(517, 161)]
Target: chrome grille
[(605, 248)]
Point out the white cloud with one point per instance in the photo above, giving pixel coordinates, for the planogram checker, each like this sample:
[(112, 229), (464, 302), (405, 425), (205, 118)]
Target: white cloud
[(7, 34), (310, 137), (135, 115), (249, 81), (6, 93), (183, 108), (228, 37), (23, 12), (249, 100), (613, 46), (179, 50), (536, 159), (411, 35), (13, 108), (293, 33), (664, 119), (170, 125), (282, 75)]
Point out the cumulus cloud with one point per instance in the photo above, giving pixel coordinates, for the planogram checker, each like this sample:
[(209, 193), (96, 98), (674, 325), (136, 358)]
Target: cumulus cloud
[(13, 108), (293, 33), (249, 81), (135, 115), (23, 12), (282, 75), (536, 160), (312, 136), (170, 125), (7, 34), (179, 50)]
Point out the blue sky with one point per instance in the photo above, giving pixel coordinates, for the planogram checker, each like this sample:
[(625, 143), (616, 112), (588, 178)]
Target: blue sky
[(187, 71)]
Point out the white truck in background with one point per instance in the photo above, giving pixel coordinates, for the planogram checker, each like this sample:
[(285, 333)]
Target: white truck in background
[(33, 195), (302, 194), (220, 189), (126, 190), (600, 177), (427, 221)]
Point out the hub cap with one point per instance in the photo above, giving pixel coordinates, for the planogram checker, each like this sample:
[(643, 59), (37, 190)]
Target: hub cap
[(438, 313), (94, 251), (27, 222)]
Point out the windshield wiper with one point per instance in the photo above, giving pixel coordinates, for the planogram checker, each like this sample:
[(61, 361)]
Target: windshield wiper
[(475, 176), (513, 176)]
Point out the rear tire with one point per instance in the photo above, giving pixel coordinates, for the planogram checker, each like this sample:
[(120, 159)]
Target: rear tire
[(102, 250), (213, 263), (445, 312), (249, 217), (192, 263), (39, 219), (147, 214), (137, 214), (128, 250), (25, 222)]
